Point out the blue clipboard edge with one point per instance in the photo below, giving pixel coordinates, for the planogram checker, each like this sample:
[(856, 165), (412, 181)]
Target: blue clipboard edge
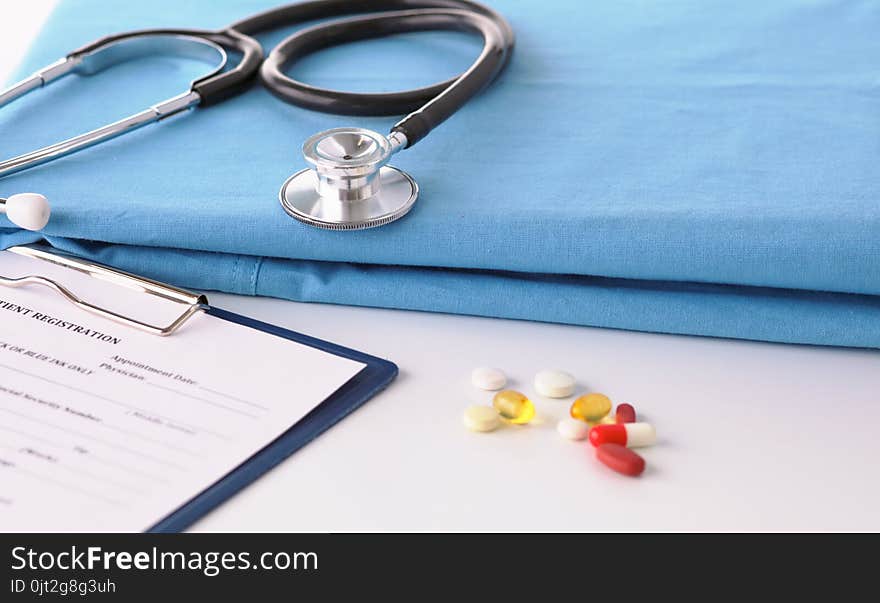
[(373, 378)]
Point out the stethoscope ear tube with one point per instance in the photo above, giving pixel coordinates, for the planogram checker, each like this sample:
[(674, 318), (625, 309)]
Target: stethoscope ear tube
[(214, 87), (334, 33), (111, 50), (217, 88), (431, 105), (493, 58)]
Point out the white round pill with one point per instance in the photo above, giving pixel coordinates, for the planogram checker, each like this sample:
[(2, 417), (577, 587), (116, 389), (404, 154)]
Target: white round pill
[(489, 379), (572, 429), (481, 418), (554, 384)]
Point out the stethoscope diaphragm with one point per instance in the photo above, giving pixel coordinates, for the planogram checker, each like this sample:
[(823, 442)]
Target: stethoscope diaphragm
[(349, 186)]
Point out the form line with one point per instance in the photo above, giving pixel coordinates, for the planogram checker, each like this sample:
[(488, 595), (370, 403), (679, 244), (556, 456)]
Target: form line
[(88, 455), (147, 439), (217, 404), (114, 402), (63, 465), (30, 435), (101, 478), (151, 440), (215, 392), (45, 478), (99, 440), (103, 461)]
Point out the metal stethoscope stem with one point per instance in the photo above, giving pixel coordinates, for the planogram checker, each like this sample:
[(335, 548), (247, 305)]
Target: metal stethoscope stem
[(102, 55)]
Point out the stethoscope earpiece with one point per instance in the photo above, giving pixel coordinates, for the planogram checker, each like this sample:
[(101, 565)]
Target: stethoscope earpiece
[(349, 186), (30, 211)]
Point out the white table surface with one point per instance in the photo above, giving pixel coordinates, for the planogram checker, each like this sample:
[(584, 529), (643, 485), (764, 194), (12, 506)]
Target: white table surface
[(753, 436)]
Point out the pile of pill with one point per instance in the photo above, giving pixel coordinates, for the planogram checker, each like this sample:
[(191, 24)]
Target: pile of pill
[(590, 417)]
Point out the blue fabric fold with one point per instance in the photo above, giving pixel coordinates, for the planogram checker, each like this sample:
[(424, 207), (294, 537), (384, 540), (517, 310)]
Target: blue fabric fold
[(683, 167)]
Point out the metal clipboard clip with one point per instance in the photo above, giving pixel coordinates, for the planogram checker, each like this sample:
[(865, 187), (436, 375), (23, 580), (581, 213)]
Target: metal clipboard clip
[(194, 302)]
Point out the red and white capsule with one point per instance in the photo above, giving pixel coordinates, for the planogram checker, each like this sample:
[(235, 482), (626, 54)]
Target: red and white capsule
[(631, 435)]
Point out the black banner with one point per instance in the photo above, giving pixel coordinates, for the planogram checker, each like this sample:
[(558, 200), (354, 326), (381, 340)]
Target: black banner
[(251, 567)]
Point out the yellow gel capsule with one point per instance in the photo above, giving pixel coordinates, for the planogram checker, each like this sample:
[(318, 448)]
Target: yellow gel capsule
[(514, 407), (590, 407), (608, 419)]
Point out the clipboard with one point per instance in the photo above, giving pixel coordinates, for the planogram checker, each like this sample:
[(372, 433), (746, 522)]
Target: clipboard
[(374, 377)]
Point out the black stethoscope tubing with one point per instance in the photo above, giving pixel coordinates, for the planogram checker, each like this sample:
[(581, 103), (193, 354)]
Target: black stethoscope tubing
[(214, 88), (427, 107)]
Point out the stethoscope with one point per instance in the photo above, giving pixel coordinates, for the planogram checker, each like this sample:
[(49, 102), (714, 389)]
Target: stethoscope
[(349, 184)]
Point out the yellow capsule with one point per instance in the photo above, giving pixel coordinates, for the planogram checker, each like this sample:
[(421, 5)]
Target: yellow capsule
[(608, 419), (514, 407), (590, 408)]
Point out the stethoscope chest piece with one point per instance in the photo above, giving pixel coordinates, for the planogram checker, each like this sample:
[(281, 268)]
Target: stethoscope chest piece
[(349, 186)]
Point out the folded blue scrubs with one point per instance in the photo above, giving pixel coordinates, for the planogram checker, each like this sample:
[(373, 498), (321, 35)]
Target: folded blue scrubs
[(690, 166)]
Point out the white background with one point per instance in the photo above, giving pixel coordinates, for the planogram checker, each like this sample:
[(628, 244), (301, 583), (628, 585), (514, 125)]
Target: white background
[(753, 436)]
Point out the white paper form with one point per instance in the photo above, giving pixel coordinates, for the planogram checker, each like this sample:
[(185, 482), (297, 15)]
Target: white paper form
[(107, 428)]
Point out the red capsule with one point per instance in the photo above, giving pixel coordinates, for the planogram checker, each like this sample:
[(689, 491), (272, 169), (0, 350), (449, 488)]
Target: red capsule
[(621, 459), (625, 413)]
